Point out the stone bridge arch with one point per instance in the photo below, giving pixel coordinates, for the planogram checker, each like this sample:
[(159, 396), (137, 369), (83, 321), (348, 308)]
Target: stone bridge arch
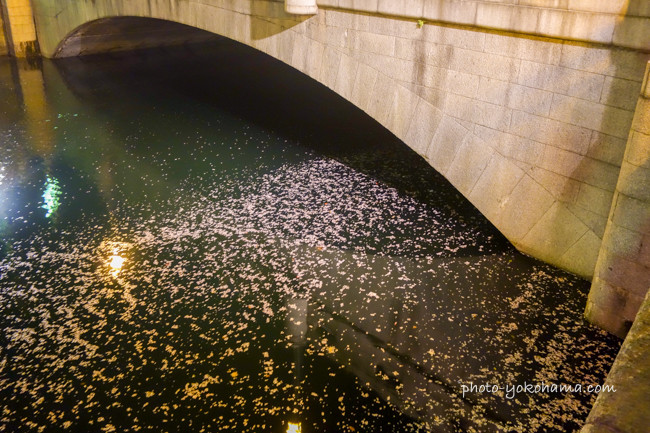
[(531, 127)]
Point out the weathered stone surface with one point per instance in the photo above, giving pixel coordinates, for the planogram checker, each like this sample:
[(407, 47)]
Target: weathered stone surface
[(423, 127), (626, 409), (471, 159), (554, 233), (449, 135)]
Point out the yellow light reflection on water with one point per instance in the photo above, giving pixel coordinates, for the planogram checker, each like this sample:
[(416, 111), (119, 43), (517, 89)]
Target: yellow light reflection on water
[(294, 427), (116, 263)]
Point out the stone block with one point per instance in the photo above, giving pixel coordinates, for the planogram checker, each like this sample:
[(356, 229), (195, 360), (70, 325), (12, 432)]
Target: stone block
[(382, 98), (644, 252), (611, 321), (562, 188), (446, 141), (608, 7), (595, 222), (569, 137), (337, 37), (330, 67), (620, 241), (604, 294), (336, 18), (315, 56), (492, 90), (597, 173), (316, 29), (363, 85), (642, 116), (484, 64), (462, 83), (299, 56), (560, 161), (423, 127), (546, 77), (450, 11), (550, 22), (581, 258), (530, 126), (424, 52), (638, 8), (588, 26), (585, 85), (528, 99), (401, 28), (632, 214), (459, 107), (404, 8), (634, 182), (554, 233), (401, 112), (525, 20), (435, 97), (490, 115), (595, 199), (540, 51), (618, 63), (408, 49), (374, 43), (523, 150), (621, 272), (620, 93), (606, 148), (492, 15), (494, 186), (359, 5), (523, 208), (432, 76), (633, 32), (346, 76), (458, 38), (610, 120), (472, 157)]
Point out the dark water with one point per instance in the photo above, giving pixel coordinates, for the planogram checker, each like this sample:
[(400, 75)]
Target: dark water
[(202, 240)]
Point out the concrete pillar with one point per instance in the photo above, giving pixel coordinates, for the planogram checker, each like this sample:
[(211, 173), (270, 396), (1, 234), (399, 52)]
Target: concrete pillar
[(19, 27), (301, 7), (626, 409), (622, 275)]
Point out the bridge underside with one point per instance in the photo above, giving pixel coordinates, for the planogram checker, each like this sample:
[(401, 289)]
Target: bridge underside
[(128, 33)]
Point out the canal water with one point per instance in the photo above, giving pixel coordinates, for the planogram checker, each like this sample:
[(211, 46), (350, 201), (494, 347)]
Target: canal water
[(200, 239)]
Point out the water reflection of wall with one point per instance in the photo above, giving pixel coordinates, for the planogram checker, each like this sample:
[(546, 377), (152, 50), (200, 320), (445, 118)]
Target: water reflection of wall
[(3, 42), (397, 338)]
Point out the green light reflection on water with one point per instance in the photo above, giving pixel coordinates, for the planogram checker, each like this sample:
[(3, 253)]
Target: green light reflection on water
[(51, 196)]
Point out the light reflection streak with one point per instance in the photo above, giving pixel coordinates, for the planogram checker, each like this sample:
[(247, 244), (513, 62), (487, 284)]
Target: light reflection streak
[(51, 196), (114, 256), (294, 427)]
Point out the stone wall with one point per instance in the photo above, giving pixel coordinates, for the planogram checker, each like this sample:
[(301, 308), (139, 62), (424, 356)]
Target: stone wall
[(622, 275), (626, 410), (531, 129), (619, 22)]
